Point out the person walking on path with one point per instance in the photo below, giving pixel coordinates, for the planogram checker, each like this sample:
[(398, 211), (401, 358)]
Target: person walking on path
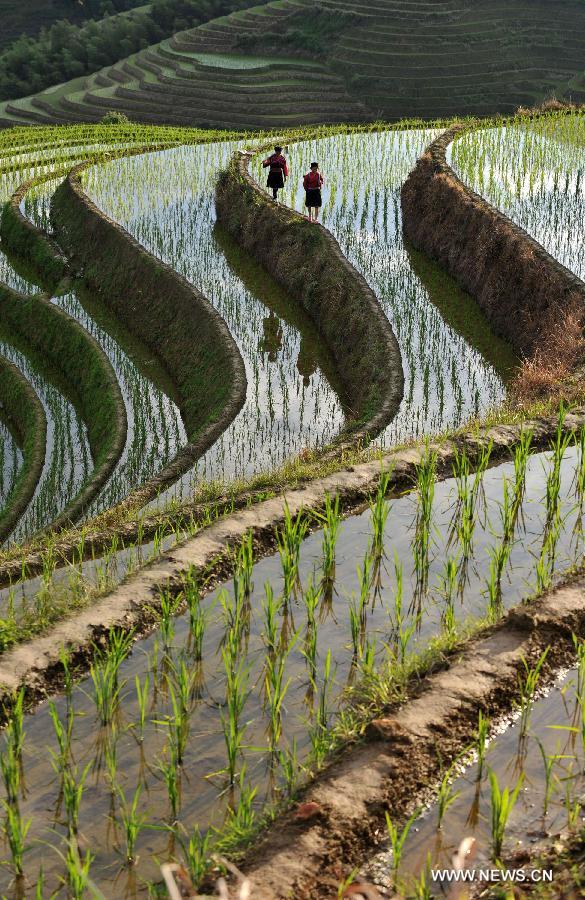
[(312, 183), (278, 171)]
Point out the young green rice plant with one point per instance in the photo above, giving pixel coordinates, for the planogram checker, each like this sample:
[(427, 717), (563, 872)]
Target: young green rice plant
[(196, 854), (271, 609), (289, 539), (403, 627), (15, 829), (169, 606), (237, 677), (528, 680), (142, 692), (78, 871), (502, 802), (290, 768), (240, 819), (426, 473), (180, 685), (319, 730), (379, 511), (447, 587), (446, 796), (481, 741), (580, 476), (275, 690), (331, 523), (312, 598), (548, 762), (133, 823), (14, 732), (10, 767), (397, 840), (73, 785), (111, 755), (63, 733), (579, 645), (197, 614), (243, 568), (107, 688), (169, 770)]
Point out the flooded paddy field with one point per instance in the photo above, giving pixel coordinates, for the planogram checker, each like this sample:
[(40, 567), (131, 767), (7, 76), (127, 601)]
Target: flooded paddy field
[(230, 706)]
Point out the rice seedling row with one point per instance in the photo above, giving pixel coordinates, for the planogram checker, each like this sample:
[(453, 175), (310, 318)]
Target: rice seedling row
[(230, 706)]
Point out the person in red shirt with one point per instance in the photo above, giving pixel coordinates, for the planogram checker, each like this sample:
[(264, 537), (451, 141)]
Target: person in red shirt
[(312, 183), (278, 171)]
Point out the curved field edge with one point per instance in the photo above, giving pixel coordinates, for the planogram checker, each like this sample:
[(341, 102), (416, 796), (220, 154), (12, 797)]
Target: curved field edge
[(306, 260), (134, 605), (26, 415), (528, 297), (88, 375), (167, 314)]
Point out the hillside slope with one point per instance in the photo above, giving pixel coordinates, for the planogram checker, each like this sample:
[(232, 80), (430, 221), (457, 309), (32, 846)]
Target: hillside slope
[(297, 61), (28, 18)]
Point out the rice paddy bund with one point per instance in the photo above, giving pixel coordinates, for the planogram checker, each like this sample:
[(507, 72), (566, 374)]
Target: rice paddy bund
[(183, 744)]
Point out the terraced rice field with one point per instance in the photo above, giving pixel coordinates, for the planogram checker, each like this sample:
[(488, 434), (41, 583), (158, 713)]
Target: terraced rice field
[(177, 735)]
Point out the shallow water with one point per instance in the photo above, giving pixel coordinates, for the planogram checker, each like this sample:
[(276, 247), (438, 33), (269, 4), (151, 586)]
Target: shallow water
[(10, 461), (204, 798), (554, 725), (447, 380)]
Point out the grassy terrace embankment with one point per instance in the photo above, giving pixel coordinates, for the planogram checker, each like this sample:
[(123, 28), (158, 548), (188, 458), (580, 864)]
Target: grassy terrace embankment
[(265, 67)]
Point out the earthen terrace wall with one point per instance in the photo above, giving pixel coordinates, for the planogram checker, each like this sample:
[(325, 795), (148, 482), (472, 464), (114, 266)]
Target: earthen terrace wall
[(525, 293)]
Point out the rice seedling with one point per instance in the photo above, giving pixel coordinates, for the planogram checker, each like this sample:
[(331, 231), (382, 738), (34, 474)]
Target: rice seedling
[(234, 729), (319, 729), (133, 823), (78, 870), (142, 693), (15, 830), (241, 817), (404, 628), (73, 786), (446, 796), (10, 767), (197, 615), (528, 679), (379, 511), (481, 740), (312, 597), (331, 520), (397, 840), (169, 770), (502, 802), (243, 567), (290, 768), (275, 689), (169, 607), (196, 853), (289, 539), (425, 482)]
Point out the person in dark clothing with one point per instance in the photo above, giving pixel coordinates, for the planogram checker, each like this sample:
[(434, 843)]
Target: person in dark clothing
[(277, 171), (312, 183)]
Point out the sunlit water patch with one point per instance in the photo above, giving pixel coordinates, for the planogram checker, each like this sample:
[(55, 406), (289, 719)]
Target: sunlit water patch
[(166, 201), (447, 380)]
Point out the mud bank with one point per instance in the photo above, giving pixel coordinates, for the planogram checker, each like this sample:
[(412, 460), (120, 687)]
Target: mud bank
[(167, 314), (341, 820), (307, 261), (88, 376), (526, 294), (25, 412)]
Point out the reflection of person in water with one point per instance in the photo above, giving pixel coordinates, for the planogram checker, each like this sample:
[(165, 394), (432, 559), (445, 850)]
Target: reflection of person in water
[(271, 343), (306, 363)]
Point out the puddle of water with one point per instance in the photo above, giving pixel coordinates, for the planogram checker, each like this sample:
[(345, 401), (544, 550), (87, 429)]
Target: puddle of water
[(205, 795)]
